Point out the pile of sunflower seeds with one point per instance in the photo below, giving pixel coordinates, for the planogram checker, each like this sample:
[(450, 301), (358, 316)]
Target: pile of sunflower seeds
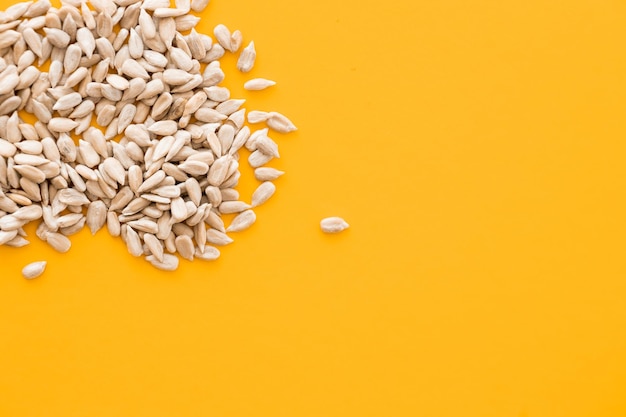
[(132, 131)]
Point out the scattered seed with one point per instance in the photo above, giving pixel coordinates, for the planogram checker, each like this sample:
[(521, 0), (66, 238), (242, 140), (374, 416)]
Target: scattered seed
[(33, 270), (263, 193), (333, 225), (257, 84), (243, 221), (247, 58)]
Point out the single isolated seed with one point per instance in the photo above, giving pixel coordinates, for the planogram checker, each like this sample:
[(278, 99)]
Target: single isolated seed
[(257, 84), (33, 270), (333, 225)]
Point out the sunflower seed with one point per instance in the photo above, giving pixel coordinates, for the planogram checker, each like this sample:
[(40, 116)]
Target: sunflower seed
[(257, 84), (33, 270), (333, 225), (280, 123), (67, 102), (185, 247), (263, 193), (247, 58), (96, 216), (242, 221), (169, 263), (267, 174), (59, 242), (256, 116), (229, 207)]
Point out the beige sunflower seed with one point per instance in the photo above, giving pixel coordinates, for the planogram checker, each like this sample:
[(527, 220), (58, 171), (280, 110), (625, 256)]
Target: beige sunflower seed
[(33, 40), (106, 115), (61, 124), (72, 57), (228, 107), (69, 219), (7, 149), (32, 173), (7, 236), (8, 38), (144, 225), (86, 41), (267, 174), (163, 127), (186, 22), (133, 242), (10, 222), (267, 146), (238, 118), (33, 270), (215, 237), (71, 197), (256, 116), (173, 76), (209, 253), (126, 117), (242, 221), (104, 25), (135, 206), (247, 58), (263, 193), (216, 93), (258, 159), (333, 225), (185, 247), (236, 40), (230, 207), (169, 263), (178, 210), (181, 59), (118, 81), (199, 5), (58, 242), (257, 84), (152, 182), (88, 154), (8, 81), (208, 115), (26, 159), (96, 216), (27, 78), (133, 69), (57, 37), (113, 224), (223, 36), (67, 102), (154, 246), (280, 123)]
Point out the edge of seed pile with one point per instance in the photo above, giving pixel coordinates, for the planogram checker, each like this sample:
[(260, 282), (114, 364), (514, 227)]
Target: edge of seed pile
[(161, 164)]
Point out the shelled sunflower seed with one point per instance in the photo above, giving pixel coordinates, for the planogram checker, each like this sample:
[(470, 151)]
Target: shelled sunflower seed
[(133, 130)]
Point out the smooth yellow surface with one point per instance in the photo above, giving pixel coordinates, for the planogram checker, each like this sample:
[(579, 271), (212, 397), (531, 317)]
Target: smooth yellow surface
[(477, 149)]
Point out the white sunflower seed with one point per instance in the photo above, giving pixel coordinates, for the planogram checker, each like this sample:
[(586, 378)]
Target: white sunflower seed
[(247, 58), (169, 263), (267, 174), (263, 193), (333, 225), (242, 221), (58, 242), (33, 270)]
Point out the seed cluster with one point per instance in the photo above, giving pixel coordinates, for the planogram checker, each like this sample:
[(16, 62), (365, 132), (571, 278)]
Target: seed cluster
[(132, 132)]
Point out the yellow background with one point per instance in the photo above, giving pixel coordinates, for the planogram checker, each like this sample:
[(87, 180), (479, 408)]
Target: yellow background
[(476, 148)]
